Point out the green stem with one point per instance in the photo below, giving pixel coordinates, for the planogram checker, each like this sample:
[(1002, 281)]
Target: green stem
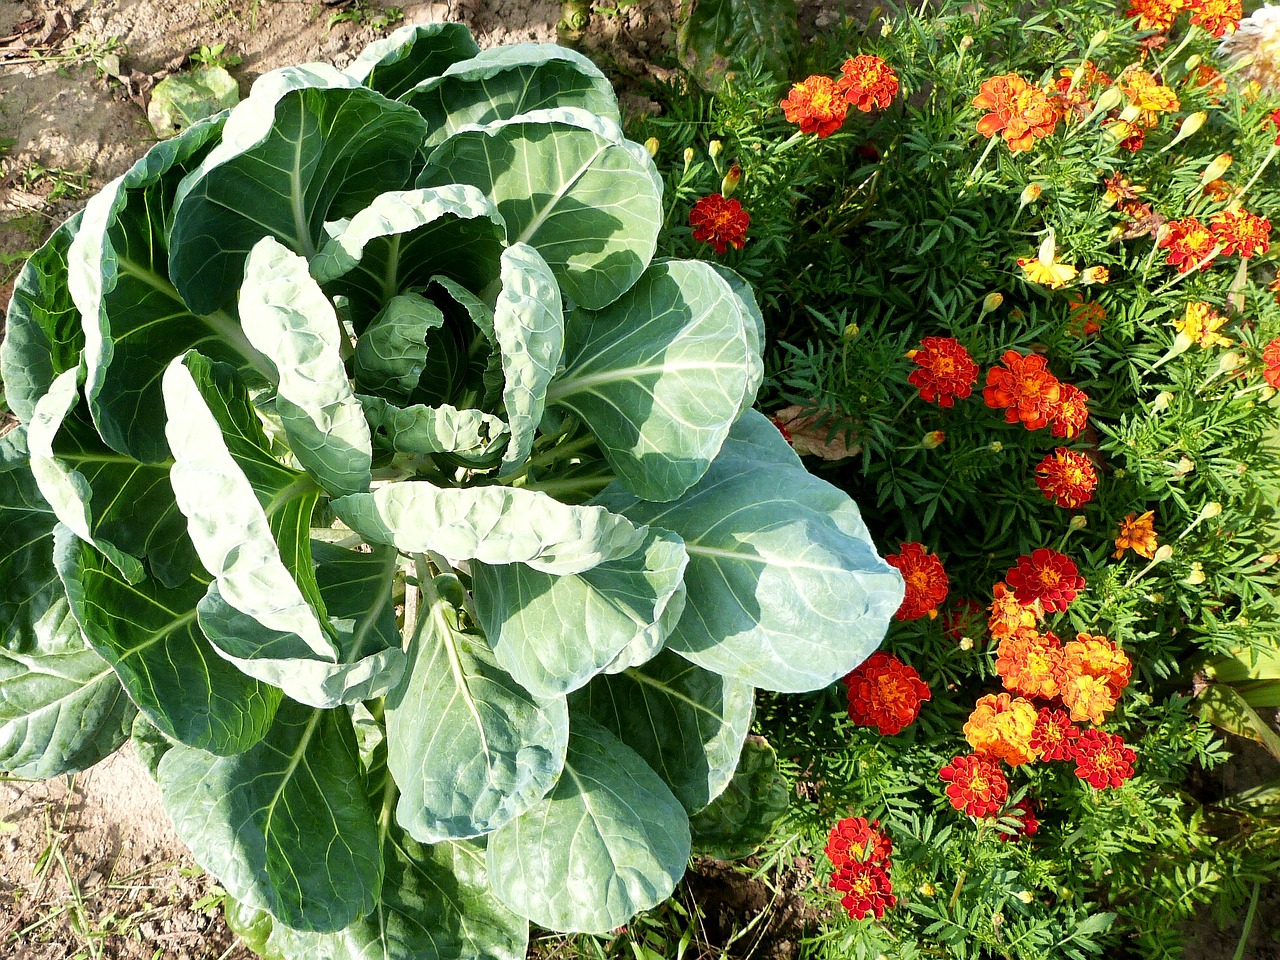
[(560, 451), (577, 489)]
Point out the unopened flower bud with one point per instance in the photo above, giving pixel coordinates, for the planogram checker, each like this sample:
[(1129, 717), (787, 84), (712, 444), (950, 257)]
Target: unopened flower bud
[(1210, 510), (927, 889), (933, 439), (1161, 402), (1108, 100), (1030, 194), (1266, 393), (1231, 360), (1185, 466), (652, 146), (1162, 554), (729, 182), (850, 331), (995, 446), (1025, 896), (1098, 39), (688, 158), (1196, 576), (991, 302), (1193, 62), (966, 643), (1078, 522), (1095, 275), (1129, 114), (1115, 234), (715, 148), (966, 42), (886, 29), (1216, 168), (1188, 127)]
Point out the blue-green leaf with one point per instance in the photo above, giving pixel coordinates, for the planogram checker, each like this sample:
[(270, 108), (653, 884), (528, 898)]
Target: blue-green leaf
[(392, 352), (443, 429), (394, 65)]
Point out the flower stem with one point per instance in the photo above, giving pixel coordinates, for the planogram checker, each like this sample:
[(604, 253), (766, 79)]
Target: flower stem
[(973, 174)]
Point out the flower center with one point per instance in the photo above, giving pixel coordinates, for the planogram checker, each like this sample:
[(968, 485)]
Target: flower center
[(1050, 578)]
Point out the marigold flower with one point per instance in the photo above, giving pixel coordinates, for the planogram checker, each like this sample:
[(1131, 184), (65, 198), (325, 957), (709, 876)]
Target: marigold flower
[(1271, 363), (1084, 316), (1241, 232), (867, 82), (1217, 190), (1103, 760), (975, 785), (817, 105), (719, 222), (1099, 275), (1024, 811), (1119, 187), (1074, 96), (1000, 727), (1089, 655), (1045, 268), (866, 888), (1206, 75), (1018, 111), (1149, 97), (927, 582), (1189, 242), (1027, 392), (1055, 735), (885, 693), (1071, 415), (1030, 664), (947, 371), (1067, 478), (1009, 618), (1218, 17), (854, 839), (1047, 576), (1089, 698), (1200, 324), (1137, 533), (1155, 14)]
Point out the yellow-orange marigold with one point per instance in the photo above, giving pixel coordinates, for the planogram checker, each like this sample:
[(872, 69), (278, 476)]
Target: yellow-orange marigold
[(1242, 232), (1009, 616), (1149, 97), (817, 105), (1030, 664), (1000, 727), (1200, 324), (1095, 672), (1137, 533), (1017, 111)]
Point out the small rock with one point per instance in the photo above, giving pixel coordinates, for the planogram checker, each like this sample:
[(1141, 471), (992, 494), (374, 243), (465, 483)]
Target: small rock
[(11, 845), (93, 879)]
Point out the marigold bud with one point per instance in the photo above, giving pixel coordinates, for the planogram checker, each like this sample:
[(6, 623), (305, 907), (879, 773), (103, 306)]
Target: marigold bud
[(1030, 194), (1095, 275), (1129, 114), (1025, 896), (1078, 522), (1098, 39), (1116, 233), (850, 331), (652, 146), (715, 148), (1190, 125), (933, 439), (886, 29), (966, 42), (688, 158), (927, 889), (1266, 393), (1109, 99), (995, 446), (1216, 168), (1193, 61), (729, 183), (1162, 401), (1230, 361), (1185, 466), (991, 302), (1162, 554), (1196, 576), (1210, 510), (966, 643)]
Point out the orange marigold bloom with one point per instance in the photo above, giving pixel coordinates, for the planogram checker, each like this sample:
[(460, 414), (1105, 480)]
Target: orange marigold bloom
[(817, 105), (1206, 75), (1024, 388), (1271, 363), (1103, 760), (1077, 100), (947, 371), (1189, 242), (1071, 415), (1137, 533), (1089, 698), (1019, 112), (719, 222), (1047, 576), (1241, 232), (866, 888), (1155, 14), (885, 693), (1217, 190), (867, 82), (1084, 316), (1200, 324), (1150, 97), (1055, 735), (1030, 664), (853, 839), (1067, 478), (1009, 618), (1000, 727), (1095, 656), (975, 785), (1218, 17), (927, 582)]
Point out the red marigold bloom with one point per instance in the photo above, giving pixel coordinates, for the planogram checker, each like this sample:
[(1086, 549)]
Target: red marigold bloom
[(1071, 415), (1155, 14), (1030, 664), (1048, 576), (867, 82), (1024, 811), (719, 222), (1000, 727), (1217, 17), (1019, 112), (1241, 232), (866, 888), (1067, 478), (885, 693), (854, 840), (1274, 117), (975, 785), (1271, 363), (946, 370), (927, 582), (817, 105), (1189, 243), (1103, 760), (1009, 617), (1024, 388), (1055, 735)]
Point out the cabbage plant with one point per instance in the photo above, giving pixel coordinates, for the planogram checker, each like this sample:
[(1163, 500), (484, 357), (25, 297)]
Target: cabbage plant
[(410, 516)]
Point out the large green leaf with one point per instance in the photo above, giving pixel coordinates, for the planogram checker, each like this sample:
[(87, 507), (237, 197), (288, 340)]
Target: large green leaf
[(609, 841), (491, 524), (134, 320), (42, 335), (630, 600), (718, 39), (29, 583), (309, 145), (248, 515), (357, 591), (126, 509), (786, 591), (443, 429), (754, 326), (468, 747), (286, 826), (392, 351), (288, 317), (660, 375), (396, 64), (687, 723), (528, 321), (405, 238), (503, 82), (570, 184), (742, 818), (149, 636)]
